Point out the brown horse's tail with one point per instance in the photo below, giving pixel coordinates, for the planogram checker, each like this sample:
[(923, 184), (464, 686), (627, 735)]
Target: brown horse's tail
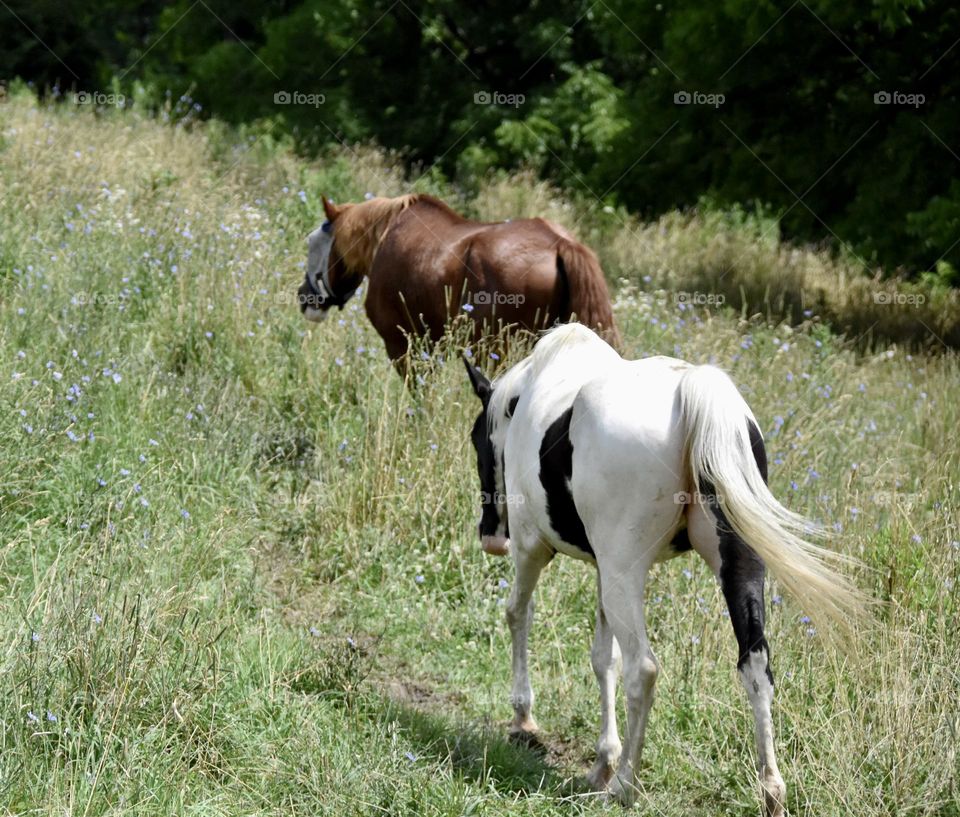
[(588, 296)]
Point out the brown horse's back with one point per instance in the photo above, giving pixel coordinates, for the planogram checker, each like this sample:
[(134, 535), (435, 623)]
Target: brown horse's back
[(527, 273)]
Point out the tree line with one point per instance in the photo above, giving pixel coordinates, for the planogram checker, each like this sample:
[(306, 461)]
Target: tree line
[(841, 119)]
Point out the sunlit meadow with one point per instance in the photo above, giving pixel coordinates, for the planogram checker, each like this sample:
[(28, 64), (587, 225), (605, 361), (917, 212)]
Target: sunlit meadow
[(239, 572)]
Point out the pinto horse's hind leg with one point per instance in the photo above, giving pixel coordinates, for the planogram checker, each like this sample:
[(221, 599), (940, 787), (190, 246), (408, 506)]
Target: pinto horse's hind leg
[(623, 587), (605, 657), (529, 561), (741, 573)]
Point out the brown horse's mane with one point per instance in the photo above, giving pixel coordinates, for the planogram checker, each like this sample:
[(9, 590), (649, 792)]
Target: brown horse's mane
[(361, 227)]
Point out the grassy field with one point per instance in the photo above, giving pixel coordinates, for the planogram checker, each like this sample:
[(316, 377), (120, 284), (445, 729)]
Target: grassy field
[(238, 560)]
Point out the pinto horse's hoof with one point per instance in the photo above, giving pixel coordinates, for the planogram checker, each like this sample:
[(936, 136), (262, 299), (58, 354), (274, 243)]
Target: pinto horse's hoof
[(619, 792), (774, 796), (495, 545)]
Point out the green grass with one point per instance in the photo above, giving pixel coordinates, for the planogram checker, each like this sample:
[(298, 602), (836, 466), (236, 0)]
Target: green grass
[(238, 566)]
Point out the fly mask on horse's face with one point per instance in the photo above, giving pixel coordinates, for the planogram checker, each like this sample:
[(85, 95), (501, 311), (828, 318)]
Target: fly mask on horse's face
[(314, 294)]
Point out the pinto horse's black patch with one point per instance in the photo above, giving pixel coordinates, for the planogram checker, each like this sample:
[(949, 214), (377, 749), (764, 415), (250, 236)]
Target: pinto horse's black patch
[(741, 570), (759, 452), (556, 468), (486, 462), (486, 458), (681, 541)]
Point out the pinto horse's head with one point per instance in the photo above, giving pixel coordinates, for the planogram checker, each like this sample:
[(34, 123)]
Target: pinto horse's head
[(319, 290), (488, 438)]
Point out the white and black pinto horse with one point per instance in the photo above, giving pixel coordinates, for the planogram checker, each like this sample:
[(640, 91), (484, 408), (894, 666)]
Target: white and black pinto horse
[(625, 463)]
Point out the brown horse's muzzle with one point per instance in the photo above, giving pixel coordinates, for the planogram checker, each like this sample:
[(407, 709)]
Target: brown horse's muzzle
[(311, 303), (307, 296)]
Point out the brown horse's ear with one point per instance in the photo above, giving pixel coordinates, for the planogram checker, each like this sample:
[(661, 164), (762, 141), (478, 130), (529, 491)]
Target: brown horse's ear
[(481, 385), (330, 209)]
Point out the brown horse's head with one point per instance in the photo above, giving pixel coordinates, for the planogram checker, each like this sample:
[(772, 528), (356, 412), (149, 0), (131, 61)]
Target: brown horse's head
[(321, 287), (341, 252)]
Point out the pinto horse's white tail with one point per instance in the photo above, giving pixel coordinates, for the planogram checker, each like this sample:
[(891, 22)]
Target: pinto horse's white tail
[(721, 459)]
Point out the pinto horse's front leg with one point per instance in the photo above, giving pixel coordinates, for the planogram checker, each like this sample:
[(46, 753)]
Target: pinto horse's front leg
[(529, 561)]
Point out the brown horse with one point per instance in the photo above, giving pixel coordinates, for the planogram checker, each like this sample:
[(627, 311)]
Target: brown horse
[(425, 264)]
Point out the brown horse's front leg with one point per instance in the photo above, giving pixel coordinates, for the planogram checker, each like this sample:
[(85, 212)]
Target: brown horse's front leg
[(402, 365), (396, 344)]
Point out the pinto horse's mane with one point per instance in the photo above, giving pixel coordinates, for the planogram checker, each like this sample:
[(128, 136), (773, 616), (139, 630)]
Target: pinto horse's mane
[(552, 343), (361, 227)]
